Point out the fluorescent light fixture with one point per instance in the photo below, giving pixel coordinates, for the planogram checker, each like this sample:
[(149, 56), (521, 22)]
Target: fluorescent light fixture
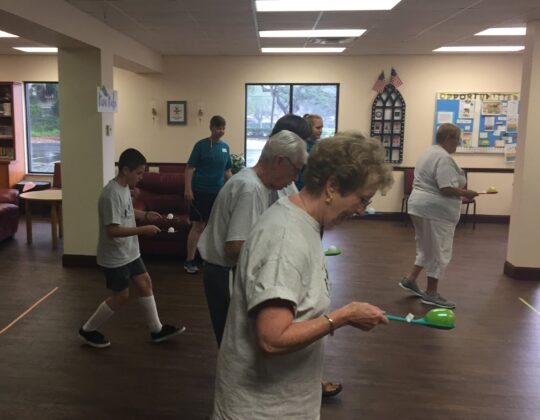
[(503, 32), (322, 5), (303, 50), (37, 49), (7, 35), (487, 48), (324, 33)]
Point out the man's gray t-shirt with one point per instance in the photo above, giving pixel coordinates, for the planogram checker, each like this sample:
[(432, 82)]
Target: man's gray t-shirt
[(237, 208), (115, 208), (434, 170), (282, 258)]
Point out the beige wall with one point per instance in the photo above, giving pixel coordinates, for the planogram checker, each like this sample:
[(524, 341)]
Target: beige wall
[(524, 233), (218, 84)]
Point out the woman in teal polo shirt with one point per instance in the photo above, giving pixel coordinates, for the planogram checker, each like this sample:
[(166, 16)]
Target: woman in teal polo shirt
[(208, 167)]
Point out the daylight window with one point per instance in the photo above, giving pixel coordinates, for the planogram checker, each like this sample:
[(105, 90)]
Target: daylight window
[(266, 103), (42, 126)]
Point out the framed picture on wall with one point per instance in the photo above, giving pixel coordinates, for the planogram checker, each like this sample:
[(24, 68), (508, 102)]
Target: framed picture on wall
[(177, 112)]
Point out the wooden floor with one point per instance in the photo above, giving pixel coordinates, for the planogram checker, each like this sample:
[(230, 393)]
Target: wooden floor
[(487, 368)]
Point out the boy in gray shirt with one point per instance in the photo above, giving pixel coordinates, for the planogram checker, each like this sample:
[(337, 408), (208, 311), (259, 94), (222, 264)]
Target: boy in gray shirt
[(118, 253)]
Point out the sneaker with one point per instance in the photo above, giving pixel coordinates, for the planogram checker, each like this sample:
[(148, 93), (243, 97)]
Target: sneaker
[(94, 339), (411, 287), (167, 331), (190, 267), (437, 300)]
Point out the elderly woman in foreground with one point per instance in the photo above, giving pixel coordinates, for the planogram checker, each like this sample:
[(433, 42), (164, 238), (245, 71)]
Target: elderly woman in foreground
[(271, 358)]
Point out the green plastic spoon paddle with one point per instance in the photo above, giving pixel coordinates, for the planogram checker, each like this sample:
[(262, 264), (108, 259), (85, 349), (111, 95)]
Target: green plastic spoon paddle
[(332, 252), (442, 319)]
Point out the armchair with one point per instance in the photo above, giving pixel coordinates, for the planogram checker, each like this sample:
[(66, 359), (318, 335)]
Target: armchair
[(163, 193), (9, 213)]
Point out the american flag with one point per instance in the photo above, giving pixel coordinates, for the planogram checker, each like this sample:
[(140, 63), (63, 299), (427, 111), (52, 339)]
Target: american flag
[(380, 83), (394, 79)]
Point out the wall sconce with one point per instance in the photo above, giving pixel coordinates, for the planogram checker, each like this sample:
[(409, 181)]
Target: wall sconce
[(200, 112), (154, 111)]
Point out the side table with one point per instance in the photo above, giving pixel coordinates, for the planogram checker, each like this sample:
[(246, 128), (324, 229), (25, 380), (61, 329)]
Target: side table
[(54, 199), (26, 186)]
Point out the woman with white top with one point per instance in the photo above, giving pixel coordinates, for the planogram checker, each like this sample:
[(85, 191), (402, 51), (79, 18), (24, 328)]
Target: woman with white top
[(435, 209)]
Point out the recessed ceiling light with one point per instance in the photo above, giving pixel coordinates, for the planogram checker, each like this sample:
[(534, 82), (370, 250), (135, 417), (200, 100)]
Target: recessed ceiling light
[(322, 5), (7, 35), (303, 50), (326, 33), (503, 32), (507, 48), (37, 49)]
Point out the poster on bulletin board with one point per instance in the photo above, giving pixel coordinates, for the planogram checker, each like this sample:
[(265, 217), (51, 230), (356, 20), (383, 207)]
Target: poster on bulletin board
[(488, 120)]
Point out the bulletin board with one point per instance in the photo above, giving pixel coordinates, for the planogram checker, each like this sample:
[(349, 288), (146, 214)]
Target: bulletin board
[(488, 120)]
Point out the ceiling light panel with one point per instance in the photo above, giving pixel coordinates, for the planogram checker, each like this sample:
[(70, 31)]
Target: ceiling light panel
[(322, 5), (503, 32), (7, 35), (326, 33), (37, 49), (302, 50), (491, 48)]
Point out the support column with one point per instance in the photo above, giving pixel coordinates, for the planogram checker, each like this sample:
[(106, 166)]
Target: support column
[(523, 254), (87, 153)]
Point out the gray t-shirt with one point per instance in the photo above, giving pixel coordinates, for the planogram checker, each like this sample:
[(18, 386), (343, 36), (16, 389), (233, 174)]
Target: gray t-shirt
[(237, 208), (434, 170), (115, 208), (283, 258)]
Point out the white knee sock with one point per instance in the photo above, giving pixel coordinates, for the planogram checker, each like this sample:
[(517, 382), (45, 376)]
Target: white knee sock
[(102, 314), (148, 304)]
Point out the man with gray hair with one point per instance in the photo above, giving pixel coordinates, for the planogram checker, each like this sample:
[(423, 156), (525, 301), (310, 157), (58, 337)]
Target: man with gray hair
[(237, 208)]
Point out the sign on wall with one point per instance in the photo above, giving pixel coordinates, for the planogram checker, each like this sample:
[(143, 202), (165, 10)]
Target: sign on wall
[(107, 100), (488, 120)]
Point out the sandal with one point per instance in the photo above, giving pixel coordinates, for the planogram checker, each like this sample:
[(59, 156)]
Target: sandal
[(329, 389)]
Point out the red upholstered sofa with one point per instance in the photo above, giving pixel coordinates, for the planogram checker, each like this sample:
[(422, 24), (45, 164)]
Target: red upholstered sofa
[(9, 213), (163, 193)]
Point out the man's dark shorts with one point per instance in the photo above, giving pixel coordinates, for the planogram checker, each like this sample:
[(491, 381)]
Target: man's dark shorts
[(201, 206), (118, 278)]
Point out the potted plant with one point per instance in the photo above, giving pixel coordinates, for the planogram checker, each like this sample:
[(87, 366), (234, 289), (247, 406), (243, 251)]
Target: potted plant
[(238, 163)]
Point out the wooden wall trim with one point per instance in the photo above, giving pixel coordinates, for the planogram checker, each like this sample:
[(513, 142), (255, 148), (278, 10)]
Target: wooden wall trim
[(489, 170), (395, 168), (69, 260), (521, 273), (397, 216), (469, 170)]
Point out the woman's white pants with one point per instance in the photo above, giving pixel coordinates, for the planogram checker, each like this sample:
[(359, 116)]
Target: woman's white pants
[(434, 239)]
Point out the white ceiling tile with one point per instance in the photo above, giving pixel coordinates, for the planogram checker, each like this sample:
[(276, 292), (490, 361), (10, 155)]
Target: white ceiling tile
[(230, 27)]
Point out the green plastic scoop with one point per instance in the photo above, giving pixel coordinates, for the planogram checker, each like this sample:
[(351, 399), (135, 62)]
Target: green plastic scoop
[(442, 319), (330, 252)]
